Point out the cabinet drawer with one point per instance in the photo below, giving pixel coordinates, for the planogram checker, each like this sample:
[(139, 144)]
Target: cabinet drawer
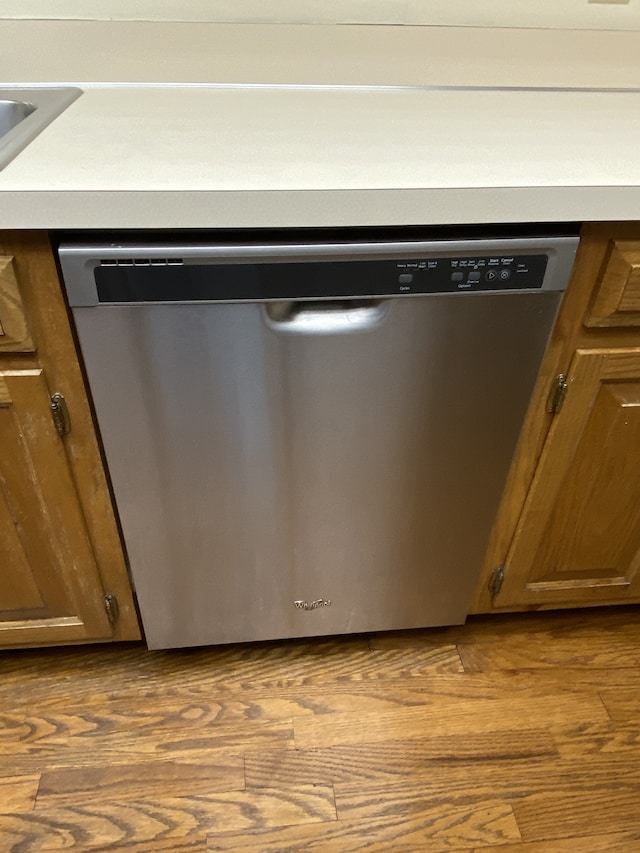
[(14, 329), (616, 300)]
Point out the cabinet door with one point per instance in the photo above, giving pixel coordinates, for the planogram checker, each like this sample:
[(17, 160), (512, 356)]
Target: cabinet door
[(578, 539), (50, 589)]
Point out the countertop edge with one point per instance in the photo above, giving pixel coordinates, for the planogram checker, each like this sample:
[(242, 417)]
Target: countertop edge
[(315, 208)]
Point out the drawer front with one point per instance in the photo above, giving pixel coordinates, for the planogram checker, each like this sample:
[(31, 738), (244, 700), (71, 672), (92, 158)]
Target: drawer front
[(616, 300), (14, 329)]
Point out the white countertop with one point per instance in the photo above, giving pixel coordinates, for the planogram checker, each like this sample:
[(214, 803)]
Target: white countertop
[(167, 137)]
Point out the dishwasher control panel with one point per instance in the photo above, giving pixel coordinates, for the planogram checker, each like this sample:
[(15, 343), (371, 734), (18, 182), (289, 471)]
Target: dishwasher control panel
[(243, 268), (446, 275), (174, 279)]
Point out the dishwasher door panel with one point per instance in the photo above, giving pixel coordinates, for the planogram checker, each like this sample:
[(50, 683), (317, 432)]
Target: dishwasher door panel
[(359, 473)]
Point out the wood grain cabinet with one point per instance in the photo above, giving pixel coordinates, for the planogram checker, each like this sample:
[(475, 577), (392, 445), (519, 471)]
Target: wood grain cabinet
[(568, 531), (63, 575)]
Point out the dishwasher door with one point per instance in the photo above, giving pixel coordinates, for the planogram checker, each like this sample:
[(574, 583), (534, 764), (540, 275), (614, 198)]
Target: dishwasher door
[(286, 468)]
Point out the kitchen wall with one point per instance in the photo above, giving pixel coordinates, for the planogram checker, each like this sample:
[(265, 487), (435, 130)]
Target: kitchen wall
[(556, 14)]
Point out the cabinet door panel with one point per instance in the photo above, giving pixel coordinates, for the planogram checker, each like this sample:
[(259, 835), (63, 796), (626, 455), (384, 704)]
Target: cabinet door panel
[(50, 587), (18, 590), (14, 330), (578, 540), (616, 299)]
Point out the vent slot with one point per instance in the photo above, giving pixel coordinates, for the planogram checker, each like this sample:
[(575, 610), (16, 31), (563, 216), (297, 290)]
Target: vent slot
[(141, 262)]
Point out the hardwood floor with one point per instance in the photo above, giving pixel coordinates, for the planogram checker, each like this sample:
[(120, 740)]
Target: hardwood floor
[(512, 734)]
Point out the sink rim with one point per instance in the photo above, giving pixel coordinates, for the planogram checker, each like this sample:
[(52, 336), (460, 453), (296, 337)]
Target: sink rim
[(22, 110), (48, 103)]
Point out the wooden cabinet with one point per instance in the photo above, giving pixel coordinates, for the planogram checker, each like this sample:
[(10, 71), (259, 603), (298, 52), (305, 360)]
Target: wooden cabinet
[(568, 531), (616, 300), (64, 577)]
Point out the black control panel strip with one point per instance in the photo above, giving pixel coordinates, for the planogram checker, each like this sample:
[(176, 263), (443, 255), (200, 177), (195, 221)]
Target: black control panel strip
[(171, 279)]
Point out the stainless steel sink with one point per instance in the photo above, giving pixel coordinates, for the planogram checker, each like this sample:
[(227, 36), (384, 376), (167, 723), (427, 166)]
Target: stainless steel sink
[(24, 113)]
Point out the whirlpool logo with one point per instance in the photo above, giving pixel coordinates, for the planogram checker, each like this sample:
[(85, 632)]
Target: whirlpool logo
[(312, 605)]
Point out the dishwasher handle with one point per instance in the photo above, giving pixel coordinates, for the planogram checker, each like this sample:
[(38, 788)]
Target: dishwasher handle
[(324, 317)]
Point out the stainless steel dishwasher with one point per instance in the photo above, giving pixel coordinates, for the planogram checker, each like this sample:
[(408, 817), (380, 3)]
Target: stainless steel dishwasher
[(309, 437)]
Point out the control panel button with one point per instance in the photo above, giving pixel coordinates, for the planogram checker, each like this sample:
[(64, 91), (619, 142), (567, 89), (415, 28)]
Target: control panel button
[(505, 275), (457, 276), (405, 278), (474, 276), (491, 275)]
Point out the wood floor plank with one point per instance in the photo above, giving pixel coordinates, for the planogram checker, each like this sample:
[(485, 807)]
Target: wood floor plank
[(207, 705), (618, 622), (543, 679), (360, 664), (392, 760), (157, 740), (619, 842), (623, 705), (580, 639), (92, 825), (134, 781), (568, 653), (140, 717), (605, 809), (105, 671), (122, 748), (474, 782), (430, 687), (53, 719), (584, 741), (424, 829), (202, 703), (449, 717), (18, 793)]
